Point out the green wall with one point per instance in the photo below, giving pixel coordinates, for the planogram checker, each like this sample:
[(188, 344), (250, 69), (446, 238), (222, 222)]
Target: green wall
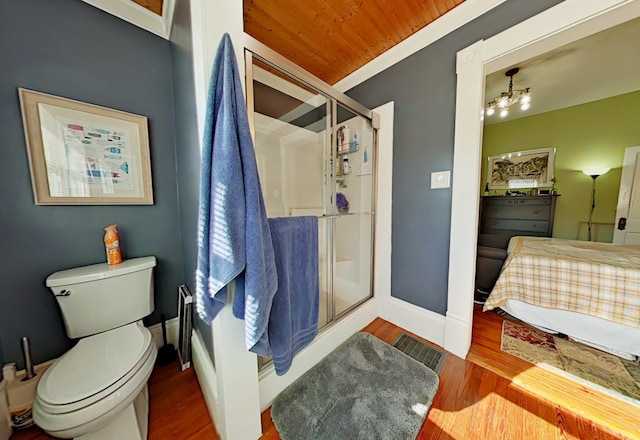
[(585, 136)]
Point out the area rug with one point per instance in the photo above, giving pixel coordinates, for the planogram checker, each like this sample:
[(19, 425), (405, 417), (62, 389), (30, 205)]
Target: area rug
[(610, 374), (365, 389)]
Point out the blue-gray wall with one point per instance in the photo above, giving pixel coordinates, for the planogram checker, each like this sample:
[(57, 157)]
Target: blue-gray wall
[(423, 87), (70, 49), (187, 150)]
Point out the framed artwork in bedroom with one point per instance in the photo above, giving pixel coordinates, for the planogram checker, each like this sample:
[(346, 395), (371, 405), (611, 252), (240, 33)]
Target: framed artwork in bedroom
[(521, 169)]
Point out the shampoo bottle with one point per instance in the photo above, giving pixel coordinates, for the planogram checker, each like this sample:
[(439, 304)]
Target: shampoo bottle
[(112, 245), (346, 168)]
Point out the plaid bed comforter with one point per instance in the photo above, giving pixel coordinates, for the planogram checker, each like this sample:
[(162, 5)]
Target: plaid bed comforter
[(598, 279)]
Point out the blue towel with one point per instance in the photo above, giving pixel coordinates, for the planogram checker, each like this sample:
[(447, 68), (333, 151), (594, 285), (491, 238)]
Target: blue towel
[(234, 241), (294, 315)]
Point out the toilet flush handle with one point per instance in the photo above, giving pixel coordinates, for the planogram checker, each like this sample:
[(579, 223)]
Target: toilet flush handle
[(63, 292)]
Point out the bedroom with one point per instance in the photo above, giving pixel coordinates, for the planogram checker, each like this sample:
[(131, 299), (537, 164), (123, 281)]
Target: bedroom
[(587, 103), (584, 105)]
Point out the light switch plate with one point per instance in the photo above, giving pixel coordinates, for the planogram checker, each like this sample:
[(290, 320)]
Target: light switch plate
[(440, 179)]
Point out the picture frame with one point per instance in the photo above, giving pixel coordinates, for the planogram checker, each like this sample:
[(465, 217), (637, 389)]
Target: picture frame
[(85, 154), (521, 169)]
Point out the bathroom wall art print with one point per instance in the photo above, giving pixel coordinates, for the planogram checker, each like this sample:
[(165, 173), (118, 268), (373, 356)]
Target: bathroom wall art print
[(83, 154)]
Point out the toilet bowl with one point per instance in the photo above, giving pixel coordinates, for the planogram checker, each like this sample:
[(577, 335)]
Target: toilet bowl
[(98, 389), (101, 376)]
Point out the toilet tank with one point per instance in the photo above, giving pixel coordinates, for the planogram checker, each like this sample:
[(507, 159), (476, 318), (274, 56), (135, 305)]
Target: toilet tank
[(97, 298)]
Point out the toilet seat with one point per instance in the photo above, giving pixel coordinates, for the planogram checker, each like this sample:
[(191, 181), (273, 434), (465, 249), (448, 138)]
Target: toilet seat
[(107, 361), (101, 375)]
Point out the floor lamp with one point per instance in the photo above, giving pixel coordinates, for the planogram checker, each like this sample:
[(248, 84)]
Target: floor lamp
[(594, 173)]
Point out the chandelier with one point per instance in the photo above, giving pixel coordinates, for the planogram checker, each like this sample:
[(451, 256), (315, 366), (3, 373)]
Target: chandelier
[(507, 99)]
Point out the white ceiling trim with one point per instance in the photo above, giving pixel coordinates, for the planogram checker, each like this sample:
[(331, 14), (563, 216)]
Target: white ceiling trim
[(458, 16), (139, 16)]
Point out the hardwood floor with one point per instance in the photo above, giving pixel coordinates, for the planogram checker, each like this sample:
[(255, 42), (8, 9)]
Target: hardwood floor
[(485, 398), (600, 409), (177, 409), (491, 395)]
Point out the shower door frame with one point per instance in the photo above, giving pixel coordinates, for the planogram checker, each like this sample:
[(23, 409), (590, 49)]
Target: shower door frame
[(253, 48)]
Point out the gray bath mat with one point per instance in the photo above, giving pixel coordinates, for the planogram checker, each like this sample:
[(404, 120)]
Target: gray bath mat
[(423, 353), (365, 389)]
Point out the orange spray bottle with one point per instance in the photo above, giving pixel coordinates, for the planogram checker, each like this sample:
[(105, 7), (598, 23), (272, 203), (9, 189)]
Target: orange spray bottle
[(112, 245)]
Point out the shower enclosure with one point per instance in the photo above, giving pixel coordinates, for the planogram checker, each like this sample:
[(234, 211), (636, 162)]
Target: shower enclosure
[(316, 154)]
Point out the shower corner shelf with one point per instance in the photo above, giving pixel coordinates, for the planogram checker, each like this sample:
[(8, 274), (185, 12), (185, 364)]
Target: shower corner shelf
[(353, 148)]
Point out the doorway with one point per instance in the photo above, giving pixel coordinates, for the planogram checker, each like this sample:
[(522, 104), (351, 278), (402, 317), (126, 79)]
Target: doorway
[(566, 22)]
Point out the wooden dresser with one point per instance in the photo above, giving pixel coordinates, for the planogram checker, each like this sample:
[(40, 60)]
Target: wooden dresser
[(518, 215)]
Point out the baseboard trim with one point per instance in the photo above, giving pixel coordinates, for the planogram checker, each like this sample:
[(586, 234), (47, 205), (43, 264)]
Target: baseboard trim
[(422, 322), (173, 328), (206, 375), (458, 335)]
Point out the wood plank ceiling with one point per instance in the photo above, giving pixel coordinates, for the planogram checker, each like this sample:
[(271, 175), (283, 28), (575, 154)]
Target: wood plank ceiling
[(333, 38), (154, 6)]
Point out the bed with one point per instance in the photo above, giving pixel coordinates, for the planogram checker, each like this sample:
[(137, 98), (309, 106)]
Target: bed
[(588, 291)]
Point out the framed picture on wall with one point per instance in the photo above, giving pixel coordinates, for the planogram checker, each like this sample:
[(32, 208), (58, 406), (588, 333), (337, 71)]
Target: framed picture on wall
[(84, 154), (521, 169)]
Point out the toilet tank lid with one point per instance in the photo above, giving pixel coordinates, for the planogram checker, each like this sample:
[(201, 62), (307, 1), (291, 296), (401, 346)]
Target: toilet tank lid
[(98, 271)]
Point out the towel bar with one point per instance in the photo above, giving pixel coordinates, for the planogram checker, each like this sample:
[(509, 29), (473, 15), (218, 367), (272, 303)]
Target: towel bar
[(342, 215)]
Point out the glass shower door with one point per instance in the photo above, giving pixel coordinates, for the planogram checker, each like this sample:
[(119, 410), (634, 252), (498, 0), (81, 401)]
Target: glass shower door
[(316, 157), (292, 131), (353, 234)]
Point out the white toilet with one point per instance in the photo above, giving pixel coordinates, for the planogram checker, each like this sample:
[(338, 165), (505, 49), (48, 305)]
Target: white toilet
[(98, 389)]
